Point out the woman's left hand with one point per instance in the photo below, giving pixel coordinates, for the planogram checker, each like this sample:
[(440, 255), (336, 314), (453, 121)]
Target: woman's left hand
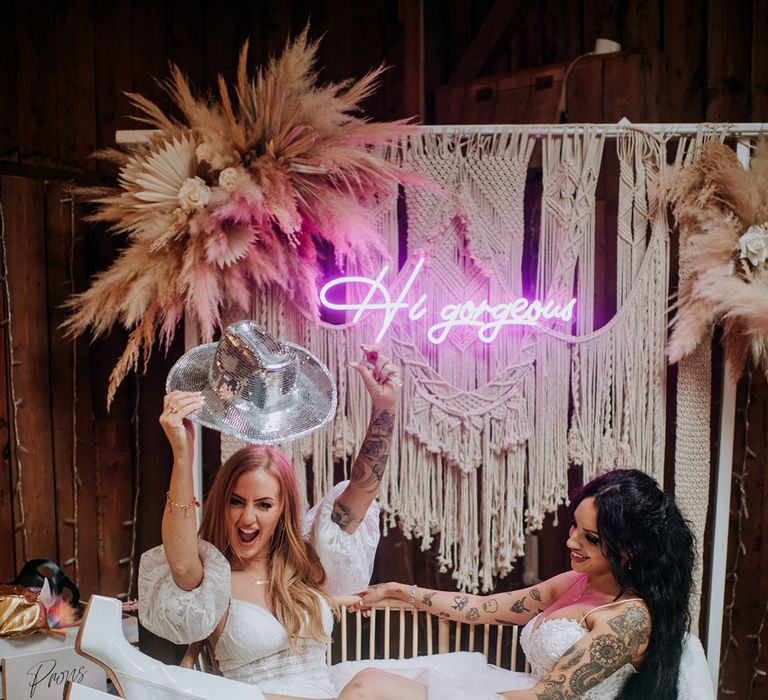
[(372, 595), (376, 372)]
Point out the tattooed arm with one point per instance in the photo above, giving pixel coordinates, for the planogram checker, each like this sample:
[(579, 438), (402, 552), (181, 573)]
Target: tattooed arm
[(513, 607), (351, 506), (619, 636)]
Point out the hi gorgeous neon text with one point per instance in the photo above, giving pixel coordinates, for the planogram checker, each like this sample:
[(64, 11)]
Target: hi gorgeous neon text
[(487, 318)]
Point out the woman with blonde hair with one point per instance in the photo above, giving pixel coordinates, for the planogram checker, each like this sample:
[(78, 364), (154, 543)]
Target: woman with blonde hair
[(257, 581)]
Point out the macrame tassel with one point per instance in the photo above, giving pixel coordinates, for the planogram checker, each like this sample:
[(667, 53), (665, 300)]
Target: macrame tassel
[(483, 430)]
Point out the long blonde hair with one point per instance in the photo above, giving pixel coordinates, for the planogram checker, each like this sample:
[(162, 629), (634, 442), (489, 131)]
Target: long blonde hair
[(296, 574)]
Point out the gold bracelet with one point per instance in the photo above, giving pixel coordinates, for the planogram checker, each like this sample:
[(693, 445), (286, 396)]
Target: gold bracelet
[(184, 506)]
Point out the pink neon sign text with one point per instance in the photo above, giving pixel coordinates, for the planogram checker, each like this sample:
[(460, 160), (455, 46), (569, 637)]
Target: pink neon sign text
[(488, 318)]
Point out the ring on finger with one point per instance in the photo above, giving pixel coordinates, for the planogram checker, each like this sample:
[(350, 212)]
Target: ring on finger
[(172, 409)]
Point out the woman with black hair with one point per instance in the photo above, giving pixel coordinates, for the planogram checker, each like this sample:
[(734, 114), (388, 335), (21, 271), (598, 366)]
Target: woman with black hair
[(615, 626)]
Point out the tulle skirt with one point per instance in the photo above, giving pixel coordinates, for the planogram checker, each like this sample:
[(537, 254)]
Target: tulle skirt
[(455, 676)]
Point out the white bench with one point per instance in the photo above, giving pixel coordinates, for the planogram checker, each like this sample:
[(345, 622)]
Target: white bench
[(395, 631)]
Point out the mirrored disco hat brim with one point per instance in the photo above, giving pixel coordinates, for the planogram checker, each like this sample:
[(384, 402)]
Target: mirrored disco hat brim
[(309, 406)]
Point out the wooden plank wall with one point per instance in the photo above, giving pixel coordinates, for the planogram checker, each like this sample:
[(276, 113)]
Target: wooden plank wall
[(64, 71), (64, 68)]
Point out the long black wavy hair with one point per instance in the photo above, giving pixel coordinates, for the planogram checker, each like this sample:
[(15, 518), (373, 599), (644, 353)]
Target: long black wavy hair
[(650, 550)]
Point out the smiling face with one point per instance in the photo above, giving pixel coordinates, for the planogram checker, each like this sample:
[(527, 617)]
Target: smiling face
[(255, 507), (584, 540)]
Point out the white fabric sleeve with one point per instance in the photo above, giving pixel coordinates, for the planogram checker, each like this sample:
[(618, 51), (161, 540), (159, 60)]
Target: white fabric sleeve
[(347, 558), (694, 681), (180, 616)]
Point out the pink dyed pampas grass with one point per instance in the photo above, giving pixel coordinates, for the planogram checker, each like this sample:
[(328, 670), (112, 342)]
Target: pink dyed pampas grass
[(236, 194), (722, 211)]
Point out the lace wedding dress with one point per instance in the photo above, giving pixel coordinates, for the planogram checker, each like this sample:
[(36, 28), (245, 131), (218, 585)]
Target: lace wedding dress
[(254, 648)]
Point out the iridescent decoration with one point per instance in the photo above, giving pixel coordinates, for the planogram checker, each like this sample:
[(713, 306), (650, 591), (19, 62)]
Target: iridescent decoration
[(256, 387)]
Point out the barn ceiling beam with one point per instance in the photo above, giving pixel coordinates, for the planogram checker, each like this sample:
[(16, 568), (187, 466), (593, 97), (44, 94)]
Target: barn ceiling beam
[(504, 20)]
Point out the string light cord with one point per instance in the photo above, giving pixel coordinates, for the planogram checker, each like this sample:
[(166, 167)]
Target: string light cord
[(136, 488), (18, 494), (742, 513), (74, 560)]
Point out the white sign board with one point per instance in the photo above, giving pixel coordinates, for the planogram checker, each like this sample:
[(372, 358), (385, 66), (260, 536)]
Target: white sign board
[(42, 675)]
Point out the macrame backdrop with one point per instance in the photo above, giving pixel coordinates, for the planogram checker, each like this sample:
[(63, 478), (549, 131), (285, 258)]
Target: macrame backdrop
[(486, 432)]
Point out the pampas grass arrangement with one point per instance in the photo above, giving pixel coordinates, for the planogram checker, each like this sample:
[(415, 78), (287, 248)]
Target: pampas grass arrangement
[(722, 211), (237, 193)]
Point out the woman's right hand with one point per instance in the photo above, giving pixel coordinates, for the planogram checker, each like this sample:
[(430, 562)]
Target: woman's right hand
[(180, 432)]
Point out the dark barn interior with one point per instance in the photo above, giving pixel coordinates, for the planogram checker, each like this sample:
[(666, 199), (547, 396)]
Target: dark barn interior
[(84, 485)]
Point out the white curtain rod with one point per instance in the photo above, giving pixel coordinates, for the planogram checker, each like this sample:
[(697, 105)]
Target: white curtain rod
[(745, 129), (610, 130)]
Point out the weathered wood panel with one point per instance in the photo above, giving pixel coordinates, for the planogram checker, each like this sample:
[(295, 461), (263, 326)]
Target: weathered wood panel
[(59, 235), (75, 88), (23, 204), (728, 59), (113, 73), (642, 24), (685, 51), (7, 552), (561, 41), (759, 65), (9, 122), (115, 483), (38, 130), (84, 399), (747, 583)]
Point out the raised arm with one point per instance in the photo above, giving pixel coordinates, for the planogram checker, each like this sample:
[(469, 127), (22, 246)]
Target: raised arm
[(179, 528), (618, 637), (350, 507), (511, 607)]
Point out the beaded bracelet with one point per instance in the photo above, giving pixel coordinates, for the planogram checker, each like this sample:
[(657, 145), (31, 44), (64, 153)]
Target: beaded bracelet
[(183, 506), (412, 595)]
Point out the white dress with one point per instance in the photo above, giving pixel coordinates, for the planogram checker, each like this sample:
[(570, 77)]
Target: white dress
[(254, 648), (467, 676)]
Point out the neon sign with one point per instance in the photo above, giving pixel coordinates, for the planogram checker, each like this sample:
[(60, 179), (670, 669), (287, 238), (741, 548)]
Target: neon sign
[(487, 318)]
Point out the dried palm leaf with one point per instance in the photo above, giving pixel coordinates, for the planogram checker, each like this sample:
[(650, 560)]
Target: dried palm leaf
[(722, 210), (237, 193)]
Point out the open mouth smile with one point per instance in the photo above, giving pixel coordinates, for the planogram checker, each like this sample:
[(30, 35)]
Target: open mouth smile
[(246, 536)]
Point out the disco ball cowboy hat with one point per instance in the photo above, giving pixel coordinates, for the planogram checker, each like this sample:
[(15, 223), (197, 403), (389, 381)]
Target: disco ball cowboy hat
[(256, 387)]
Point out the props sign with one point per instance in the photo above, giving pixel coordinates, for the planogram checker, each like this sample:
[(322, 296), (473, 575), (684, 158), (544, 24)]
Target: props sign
[(487, 318)]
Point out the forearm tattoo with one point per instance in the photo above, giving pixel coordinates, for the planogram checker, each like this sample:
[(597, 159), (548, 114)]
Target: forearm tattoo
[(581, 669), (518, 606), (427, 598), (342, 514), (460, 602), (490, 606), (473, 615), (372, 459)]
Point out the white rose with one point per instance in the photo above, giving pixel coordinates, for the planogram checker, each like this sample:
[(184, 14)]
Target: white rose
[(228, 179), (194, 194), (203, 153), (753, 245)]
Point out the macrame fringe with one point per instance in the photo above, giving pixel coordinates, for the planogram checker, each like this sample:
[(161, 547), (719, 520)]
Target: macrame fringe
[(483, 442)]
